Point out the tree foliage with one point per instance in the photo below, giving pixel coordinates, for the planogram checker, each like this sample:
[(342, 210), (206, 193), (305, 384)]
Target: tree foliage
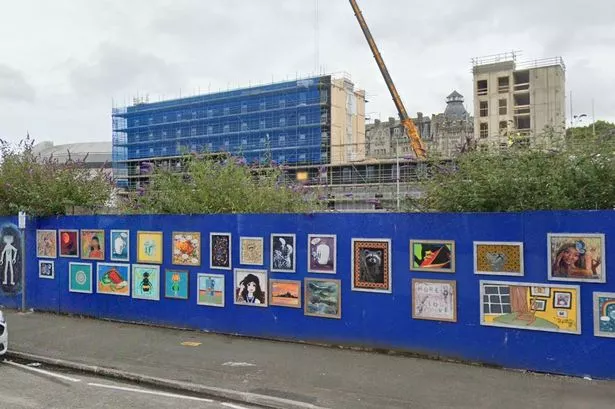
[(604, 131), (209, 184)]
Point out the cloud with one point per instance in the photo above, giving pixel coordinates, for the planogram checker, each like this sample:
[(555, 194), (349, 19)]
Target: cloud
[(14, 86)]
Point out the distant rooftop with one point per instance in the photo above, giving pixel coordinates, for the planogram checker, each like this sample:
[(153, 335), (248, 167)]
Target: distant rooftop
[(95, 153), (509, 60)]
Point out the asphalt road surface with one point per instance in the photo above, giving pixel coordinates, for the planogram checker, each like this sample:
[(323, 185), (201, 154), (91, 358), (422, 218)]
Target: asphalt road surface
[(33, 387)]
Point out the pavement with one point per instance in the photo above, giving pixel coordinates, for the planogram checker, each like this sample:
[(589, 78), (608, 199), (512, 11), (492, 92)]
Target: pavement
[(288, 375)]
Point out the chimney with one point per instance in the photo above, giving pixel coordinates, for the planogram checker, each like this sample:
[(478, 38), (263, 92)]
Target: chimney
[(376, 121), (391, 121)]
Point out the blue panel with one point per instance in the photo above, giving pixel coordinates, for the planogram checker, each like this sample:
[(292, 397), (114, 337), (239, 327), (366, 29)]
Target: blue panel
[(368, 319)]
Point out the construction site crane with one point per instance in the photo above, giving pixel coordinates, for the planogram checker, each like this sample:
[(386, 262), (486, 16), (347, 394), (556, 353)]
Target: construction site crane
[(415, 139)]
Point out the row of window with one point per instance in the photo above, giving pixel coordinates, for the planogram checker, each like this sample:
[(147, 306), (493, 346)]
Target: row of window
[(521, 80), (522, 123), (290, 155)]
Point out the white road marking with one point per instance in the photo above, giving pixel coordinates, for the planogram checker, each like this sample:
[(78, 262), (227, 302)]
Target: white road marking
[(230, 405), (42, 371), (230, 363), (148, 392)]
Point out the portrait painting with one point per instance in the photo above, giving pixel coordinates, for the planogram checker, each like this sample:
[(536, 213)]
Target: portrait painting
[(371, 265), (187, 248), (46, 244), (46, 269), (323, 298), (176, 284), (69, 243), (93, 244), (322, 253), (149, 247), (251, 251), (210, 291), (146, 282), (434, 300), (251, 287), (113, 278), (576, 257), (285, 293), (498, 258), (80, 278), (436, 256), (120, 245), (220, 251), (604, 314), (283, 255)]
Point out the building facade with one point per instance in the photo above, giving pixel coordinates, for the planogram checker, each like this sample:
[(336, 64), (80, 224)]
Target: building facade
[(305, 122), (518, 102)]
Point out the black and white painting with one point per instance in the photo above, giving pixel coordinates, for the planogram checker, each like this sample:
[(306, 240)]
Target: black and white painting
[(283, 255), (10, 259)]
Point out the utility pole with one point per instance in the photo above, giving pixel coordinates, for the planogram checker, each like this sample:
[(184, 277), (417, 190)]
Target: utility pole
[(593, 120)]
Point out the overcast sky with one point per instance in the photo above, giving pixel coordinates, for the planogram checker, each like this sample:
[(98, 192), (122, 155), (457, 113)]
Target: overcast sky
[(63, 62)]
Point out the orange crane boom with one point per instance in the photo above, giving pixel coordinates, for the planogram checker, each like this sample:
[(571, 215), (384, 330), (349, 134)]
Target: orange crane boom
[(415, 140)]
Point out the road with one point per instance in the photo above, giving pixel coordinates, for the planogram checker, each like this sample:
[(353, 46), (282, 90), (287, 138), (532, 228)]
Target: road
[(33, 387)]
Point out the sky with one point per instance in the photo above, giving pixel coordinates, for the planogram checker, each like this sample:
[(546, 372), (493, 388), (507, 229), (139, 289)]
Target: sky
[(65, 63)]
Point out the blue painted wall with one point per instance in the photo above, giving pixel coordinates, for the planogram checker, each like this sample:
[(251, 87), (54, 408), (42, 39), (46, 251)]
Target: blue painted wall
[(368, 319)]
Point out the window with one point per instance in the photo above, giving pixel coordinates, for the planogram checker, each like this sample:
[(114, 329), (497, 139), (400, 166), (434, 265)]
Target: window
[(178, 133), (481, 87), (370, 173), (522, 80), (164, 134), (522, 122), (227, 110), (503, 85), (137, 152), (136, 122), (193, 131), (282, 103), (522, 103), (210, 130), (484, 108), (164, 150), (262, 141), (226, 129), (324, 96), (244, 108), (244, 126), (151, 135), (281, 158), (282, 138), (244, 141), (302, 120), (193, 114), (210, 113), (179, 117), (346, 175), (484, 130), (496, 299), (302, 137), (193, 147), (262, 124), (226, 143), (210, 146), (503, 106), (503, 127), (302, 98), (150, 120), (302, 157), (323, 118), (282, 121), (262, 105), (151, 151), (164, 118)]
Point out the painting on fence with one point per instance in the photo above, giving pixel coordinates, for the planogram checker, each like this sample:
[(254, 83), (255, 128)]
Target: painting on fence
[(176, 284), (251, 287), (93, 244), (285, 293), (322, 253), (323, 298), (498, 258), (80, 278), (11, 253), (46, 244), (434, 300), (210, 291), (251, 251), (371, 265), (46, 269), (576, 257), (512, 304), (120, 245), (146, 282), (149, 247), (220, 251), (437, 256), (113, 278), (604, 314), (69, 243), (187, 248), (283, 253)]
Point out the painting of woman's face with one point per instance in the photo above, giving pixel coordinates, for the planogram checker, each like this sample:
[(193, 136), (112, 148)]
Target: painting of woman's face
[(570, 256), (251, 287), (95, 244)]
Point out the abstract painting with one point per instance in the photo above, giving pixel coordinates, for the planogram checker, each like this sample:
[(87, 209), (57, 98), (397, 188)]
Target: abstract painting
[(220, 251), (322, 253), (93, 244), (176, 284), (604, 314), (285, 293), (46, 244), (210, 291), (46, 269), (80, 278), (371, 265), (146, 282), (576, 257), (187, 248), (69, 243), (498, 258), (283, 255), (149, 247), (113, 279), (434, 300), (251, 251), (323, 298), (511, 305), (436, 256), (11, 252), (251, 287), (120, 245)]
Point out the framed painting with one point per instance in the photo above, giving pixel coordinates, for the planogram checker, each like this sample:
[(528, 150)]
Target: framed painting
[(187, 248), (322, 253), (149, 247), (46, 269), (283, 253), (604, 314), (436, 256), (69, 243), (576, 257), (540, 291), (120, 245), (113, 278), (511, 305), (285, 293), (434, 300), (176, 284), (251, 251), (498, 258), (251, 287), (220, 254), (93, 244), (46, 244), (146, 282), (323, 298), (371, 265), (210, 290), (80, 278)]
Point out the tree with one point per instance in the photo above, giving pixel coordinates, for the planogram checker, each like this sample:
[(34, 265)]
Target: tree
[(604, 130)]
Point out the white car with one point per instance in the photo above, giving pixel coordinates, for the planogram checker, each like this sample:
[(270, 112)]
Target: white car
[(4, 335)]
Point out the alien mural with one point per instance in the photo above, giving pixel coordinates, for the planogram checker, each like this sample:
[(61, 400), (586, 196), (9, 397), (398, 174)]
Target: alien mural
[(11, 253)]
